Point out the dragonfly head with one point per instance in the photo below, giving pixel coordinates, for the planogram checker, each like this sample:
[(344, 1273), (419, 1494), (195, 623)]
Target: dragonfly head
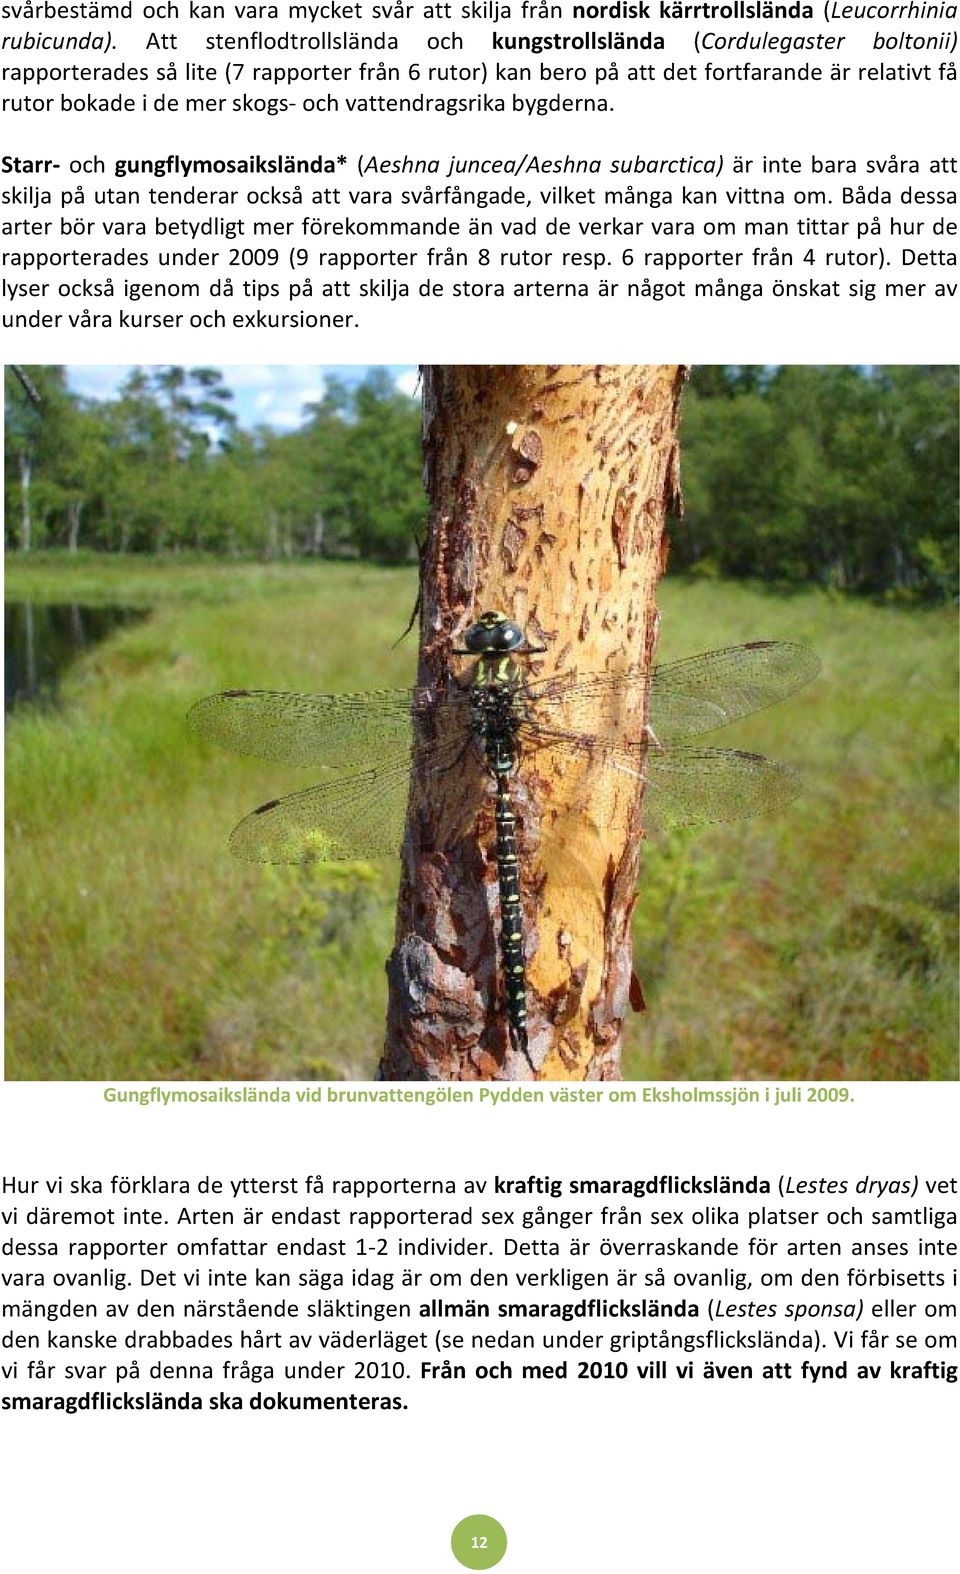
[(493, 634)]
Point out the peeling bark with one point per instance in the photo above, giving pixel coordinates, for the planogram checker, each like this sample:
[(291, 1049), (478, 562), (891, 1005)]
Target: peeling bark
[(549, 490)]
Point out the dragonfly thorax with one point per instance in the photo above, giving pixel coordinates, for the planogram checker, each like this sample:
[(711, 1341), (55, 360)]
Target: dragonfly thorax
[(495, 712)]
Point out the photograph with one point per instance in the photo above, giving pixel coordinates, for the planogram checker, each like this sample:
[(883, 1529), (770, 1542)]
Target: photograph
[(481, 723)]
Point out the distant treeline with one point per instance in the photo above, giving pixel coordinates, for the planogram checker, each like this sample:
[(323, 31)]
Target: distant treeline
[(836, 475)]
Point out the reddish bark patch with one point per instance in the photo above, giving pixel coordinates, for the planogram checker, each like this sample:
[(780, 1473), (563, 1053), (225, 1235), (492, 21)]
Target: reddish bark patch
[(511, 545), (563, 1003)]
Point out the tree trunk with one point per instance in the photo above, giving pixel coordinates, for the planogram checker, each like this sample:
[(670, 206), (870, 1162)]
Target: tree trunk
[(549, 488), (271, 534), (74, 516), (26, 521)]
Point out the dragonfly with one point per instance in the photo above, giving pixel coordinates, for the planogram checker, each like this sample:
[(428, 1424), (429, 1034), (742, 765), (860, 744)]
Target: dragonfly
[(485, 735)]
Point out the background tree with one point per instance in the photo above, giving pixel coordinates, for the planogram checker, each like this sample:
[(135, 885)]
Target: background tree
[(33, 411), (842, 476), (368, 468), (838, 475), (81, 467)]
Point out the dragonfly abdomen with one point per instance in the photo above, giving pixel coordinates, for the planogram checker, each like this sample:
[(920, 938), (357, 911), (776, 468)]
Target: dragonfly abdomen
[(511, 917), (496, 719)]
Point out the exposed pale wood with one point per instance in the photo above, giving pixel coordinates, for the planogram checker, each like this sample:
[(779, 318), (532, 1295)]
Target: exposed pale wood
[(549, 488)]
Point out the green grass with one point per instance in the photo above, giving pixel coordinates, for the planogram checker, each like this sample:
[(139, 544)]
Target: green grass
[(816, 944), (134, 580)]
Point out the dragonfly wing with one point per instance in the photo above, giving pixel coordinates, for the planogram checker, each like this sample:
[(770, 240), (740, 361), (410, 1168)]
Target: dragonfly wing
[(699, 786), (709, 691), (603, 709), (345, 818), (686, 698), (305, 729), (351, 815)]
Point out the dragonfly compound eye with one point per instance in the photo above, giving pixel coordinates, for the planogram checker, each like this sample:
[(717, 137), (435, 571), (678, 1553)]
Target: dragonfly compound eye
[(508, 636), (493, 632)]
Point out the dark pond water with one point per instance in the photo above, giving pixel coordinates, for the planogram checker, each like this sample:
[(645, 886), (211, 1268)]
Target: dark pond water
[(41, 641)]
